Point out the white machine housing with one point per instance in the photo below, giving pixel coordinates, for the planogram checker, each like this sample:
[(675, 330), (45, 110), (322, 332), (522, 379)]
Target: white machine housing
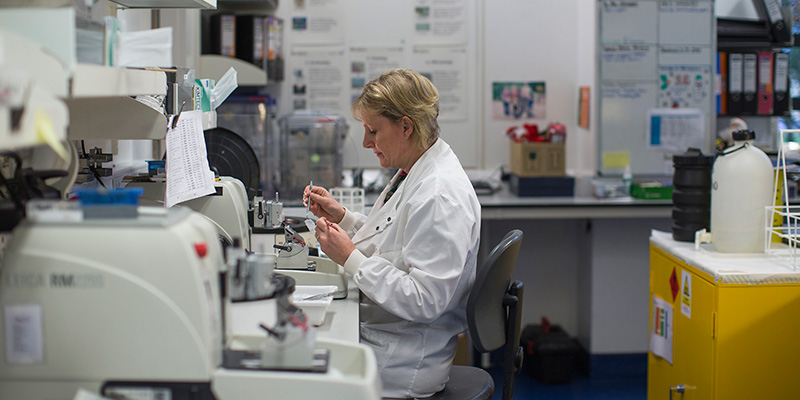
[(130, 299), (227, 208), (137, 300)]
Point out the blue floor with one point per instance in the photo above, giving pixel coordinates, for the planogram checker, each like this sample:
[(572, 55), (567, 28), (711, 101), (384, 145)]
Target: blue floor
[(626, 379)]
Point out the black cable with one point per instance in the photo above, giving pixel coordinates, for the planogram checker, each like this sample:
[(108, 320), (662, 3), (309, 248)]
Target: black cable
[(91, 168), (97, 176), (725, 152)]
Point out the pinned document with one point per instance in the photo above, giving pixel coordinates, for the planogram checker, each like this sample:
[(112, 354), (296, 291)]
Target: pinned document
[(675, 129), (188, 173), (661, 329)]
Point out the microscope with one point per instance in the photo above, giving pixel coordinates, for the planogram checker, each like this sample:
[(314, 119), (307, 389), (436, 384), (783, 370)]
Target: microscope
[(293, 252)]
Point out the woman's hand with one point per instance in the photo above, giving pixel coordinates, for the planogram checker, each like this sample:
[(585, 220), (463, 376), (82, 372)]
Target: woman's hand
[(334, 241), (322, 204)]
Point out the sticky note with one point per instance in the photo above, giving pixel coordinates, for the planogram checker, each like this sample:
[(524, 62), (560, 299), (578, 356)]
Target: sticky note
[(616, 159)]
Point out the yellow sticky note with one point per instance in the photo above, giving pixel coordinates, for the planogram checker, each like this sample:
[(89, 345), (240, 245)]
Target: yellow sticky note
[(616, 159), (47, 134)]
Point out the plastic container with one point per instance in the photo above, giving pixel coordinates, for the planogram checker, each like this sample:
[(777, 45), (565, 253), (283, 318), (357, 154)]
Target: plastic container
[(627, 177), (609, 188), (311, 149), (104, 197), (652, 191), (351, 198), (550, 354), (691, 194), (314, 308), (741, 190)]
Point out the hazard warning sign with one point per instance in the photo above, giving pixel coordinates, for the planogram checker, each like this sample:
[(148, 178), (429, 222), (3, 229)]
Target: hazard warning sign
[(674, 285)]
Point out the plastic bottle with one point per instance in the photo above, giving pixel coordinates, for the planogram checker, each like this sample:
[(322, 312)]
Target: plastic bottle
[(741, 188), (627, 178)]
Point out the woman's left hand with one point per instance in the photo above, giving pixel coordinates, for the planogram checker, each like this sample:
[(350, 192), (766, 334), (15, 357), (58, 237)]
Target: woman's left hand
[(334, 241)]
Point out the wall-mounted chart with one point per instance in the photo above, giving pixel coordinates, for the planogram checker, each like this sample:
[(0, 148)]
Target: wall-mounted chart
[(653, 56)]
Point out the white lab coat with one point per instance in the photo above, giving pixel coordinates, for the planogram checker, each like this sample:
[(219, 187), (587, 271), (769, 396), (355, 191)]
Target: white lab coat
[(415, 263)]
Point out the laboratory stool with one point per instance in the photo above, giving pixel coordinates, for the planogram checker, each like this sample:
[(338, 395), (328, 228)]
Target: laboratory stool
[(494, 316)]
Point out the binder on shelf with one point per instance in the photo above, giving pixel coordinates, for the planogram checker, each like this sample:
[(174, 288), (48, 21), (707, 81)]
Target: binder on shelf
[(722, 83), (771, 12), (765, 90), (251, 39), (735, 93), (223, 34), (275, 48), (781, 84), (749, 84), (280, 56)]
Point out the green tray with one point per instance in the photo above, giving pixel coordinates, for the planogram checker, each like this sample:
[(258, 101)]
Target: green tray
[(650, 191)]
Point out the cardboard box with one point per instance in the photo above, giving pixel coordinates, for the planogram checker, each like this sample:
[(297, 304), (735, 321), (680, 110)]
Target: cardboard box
[(537, 159)]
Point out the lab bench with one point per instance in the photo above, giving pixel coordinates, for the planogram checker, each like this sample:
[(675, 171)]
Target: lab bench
[(341, 318), (582, 260)]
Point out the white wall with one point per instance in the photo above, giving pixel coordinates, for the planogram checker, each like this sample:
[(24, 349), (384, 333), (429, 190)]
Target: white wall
[(515, 40), (540, 40)]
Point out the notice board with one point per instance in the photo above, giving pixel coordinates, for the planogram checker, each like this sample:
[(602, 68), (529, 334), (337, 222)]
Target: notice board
[(656, 69), (333, 47)]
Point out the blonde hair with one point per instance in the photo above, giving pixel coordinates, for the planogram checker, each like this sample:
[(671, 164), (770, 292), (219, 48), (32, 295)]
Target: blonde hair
[(398, 93)]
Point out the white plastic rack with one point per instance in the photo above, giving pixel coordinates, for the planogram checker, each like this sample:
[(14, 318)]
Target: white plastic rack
[(782, 220)]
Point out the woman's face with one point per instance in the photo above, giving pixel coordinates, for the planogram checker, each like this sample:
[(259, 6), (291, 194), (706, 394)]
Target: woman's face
[(389, 140)]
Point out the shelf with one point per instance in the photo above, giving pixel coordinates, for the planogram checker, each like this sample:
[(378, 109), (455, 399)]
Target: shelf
[(247, 6), (746, 116), (90, 80), (213, 66), (740, 45), (200, 4), (114, 118), (100, 106)]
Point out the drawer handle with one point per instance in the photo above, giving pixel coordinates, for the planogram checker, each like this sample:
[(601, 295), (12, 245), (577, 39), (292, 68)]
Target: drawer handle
[(680, 388)]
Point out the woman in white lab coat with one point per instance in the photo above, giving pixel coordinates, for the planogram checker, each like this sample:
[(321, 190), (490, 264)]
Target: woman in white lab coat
[(414, 256)]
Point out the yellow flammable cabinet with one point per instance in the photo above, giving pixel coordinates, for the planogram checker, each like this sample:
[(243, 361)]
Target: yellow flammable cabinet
[(722, 326)]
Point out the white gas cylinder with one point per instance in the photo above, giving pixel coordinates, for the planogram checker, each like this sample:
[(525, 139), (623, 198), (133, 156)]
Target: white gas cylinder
[(741, 188)]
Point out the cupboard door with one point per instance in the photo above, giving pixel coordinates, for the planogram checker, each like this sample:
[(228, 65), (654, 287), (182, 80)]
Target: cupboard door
[(758, 350), (692, 332)]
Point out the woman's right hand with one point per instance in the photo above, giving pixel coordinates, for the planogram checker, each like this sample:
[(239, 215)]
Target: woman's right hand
[(322, 204)]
